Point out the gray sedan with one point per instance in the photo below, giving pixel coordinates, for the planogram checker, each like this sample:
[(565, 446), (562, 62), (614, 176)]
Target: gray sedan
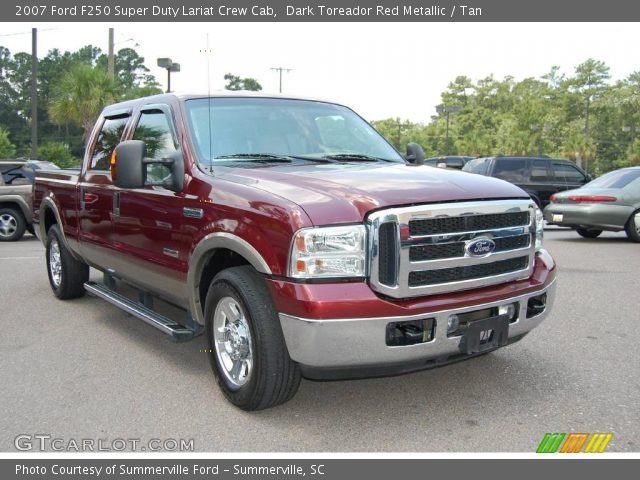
[(610, 202)]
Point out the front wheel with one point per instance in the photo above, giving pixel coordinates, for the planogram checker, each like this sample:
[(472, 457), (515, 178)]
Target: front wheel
[(583, 232), (247, 350), (67, 275), (633, 227)]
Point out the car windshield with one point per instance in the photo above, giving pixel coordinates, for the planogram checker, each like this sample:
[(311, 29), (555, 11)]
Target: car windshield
[(266, 130), (616, 179)]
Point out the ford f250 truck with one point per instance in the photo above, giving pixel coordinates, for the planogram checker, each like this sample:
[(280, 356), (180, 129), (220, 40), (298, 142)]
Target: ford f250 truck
[(295, 237)]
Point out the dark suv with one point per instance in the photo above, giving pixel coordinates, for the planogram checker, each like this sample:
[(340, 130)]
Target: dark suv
[(540, 177)]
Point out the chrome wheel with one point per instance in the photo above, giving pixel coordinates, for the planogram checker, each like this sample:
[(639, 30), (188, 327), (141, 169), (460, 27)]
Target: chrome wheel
[(232, 340), (55, 263), (8, 225)]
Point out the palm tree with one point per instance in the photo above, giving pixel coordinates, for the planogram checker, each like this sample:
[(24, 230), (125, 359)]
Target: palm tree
[(81, 95)]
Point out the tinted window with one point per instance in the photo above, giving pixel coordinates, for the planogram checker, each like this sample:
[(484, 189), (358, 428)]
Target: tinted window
[(617, 179), (154, 129), (477, 165), (109, 137), (567, 172), (510, 169), (539, 171)]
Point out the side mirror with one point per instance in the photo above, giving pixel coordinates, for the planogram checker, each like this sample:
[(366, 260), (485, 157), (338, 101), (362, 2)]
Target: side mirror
[(127, 164), (415, 154), (589, 178), (129, 167)]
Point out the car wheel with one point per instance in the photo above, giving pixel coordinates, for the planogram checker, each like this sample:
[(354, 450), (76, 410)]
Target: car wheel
[(633, 227), (12, 225), (247, 350), (586, 233), (67, 275)]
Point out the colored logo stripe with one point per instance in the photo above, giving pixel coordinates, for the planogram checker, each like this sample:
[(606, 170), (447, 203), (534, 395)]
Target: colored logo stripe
[(550, 443), (598, 442), (574, 442)]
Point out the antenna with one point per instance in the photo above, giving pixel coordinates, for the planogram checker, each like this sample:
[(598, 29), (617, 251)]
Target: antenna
[(208, 52)]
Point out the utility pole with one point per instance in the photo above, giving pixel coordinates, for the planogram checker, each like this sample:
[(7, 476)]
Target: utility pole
[(111, 67), (280, 70), (447, 110), (34, 93)]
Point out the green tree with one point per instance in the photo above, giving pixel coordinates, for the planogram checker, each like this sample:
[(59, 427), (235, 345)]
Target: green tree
[(7, 149), (235, 82), (81, 95), (58, 153)]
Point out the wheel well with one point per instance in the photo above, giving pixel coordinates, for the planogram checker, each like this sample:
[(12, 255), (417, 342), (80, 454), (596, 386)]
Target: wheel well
[(14, 205), (220, 259), (49, 219)]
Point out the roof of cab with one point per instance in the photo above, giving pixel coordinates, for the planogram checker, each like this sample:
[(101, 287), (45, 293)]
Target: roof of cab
[(164, 97)]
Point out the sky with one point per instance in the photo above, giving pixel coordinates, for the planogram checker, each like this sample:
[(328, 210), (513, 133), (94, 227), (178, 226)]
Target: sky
[(381, 70)]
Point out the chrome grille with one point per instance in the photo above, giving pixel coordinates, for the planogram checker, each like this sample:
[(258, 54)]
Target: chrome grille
[(422, 250)]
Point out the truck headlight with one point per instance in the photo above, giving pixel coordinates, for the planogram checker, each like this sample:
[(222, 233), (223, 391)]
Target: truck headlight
[(539, 229), (326, 252)]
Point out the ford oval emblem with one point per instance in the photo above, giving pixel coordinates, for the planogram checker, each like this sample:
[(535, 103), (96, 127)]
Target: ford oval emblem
[(480, 247)]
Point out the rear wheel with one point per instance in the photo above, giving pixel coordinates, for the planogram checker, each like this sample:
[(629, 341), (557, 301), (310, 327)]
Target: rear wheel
[(12, 225), (587, 233), (67, 275), (633, 227), (247, 349)]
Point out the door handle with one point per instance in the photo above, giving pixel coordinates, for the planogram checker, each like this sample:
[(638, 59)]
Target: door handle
[(89, 198)]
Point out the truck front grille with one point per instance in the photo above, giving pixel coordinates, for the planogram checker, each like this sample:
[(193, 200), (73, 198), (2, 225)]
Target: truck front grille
[(424, 250)]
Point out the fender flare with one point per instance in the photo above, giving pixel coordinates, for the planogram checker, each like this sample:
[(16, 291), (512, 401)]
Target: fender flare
[(203, 250), (25, 208), (49, 203)]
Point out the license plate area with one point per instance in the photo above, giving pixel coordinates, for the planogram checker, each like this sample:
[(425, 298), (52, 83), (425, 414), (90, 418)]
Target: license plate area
[(557, 217), (486, 334)]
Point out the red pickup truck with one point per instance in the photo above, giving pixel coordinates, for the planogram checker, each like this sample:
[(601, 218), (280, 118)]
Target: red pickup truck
[(297, 239)]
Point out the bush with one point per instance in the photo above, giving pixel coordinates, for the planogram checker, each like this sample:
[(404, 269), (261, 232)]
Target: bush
[(58, 153), (7, 149)]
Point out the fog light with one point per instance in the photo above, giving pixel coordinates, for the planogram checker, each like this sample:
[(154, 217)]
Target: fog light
[(511, 311), (453, 323)]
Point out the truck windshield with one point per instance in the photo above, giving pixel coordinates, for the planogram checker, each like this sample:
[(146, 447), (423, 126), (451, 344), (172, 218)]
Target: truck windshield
[(241, 129)]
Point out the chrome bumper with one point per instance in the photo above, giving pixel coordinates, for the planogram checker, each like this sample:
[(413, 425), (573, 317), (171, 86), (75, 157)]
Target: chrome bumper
[(360, 342)]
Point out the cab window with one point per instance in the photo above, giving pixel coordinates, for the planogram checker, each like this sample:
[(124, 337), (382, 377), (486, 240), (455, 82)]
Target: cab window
[(109, 136)]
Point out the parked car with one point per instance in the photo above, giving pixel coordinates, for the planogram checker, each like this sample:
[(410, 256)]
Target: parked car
[(16, 177), (610, 202), (540, 177), (456, 162), (295, 237)]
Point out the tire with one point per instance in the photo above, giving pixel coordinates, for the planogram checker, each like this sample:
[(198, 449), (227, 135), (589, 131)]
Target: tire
[(583, 232), (253, 339), (632, 228), (67, 275), (12, 224)]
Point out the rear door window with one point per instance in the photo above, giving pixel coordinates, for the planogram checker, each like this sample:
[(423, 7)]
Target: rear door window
[(510, 169), (108, 138), (565, 172)]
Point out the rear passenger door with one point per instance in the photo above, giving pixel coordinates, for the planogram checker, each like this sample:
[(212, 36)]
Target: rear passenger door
[(95, 195)]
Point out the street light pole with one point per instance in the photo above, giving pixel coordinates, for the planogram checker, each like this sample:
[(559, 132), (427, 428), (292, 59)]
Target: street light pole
[(169, 66), (111, 68)]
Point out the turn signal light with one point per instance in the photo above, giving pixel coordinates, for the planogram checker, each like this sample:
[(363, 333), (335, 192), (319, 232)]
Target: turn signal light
[(591, 198), (552, 198)]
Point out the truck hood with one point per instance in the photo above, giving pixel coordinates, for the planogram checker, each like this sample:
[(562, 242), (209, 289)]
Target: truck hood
[(346, 192)]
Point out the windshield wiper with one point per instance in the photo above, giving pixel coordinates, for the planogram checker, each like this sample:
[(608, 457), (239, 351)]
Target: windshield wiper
[(259, 157), (359, 157)]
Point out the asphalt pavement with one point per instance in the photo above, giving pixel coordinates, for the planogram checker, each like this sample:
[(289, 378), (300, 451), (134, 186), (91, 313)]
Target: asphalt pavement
[(82, 369)]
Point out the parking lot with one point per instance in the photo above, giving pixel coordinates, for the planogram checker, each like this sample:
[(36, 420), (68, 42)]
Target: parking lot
[(83, 369)]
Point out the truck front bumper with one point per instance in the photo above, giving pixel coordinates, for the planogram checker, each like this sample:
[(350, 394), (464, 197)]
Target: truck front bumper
[(333, 348)]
